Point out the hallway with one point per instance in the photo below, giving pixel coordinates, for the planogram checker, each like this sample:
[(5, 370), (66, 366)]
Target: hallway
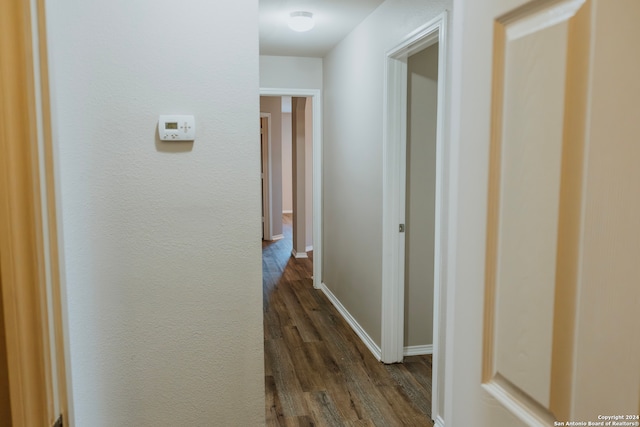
[(317, 371)]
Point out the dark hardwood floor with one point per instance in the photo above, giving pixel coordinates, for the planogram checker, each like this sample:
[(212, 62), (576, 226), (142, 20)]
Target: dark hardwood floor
[(317, 371)]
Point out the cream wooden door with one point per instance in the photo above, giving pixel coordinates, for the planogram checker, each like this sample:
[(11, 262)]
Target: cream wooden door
[(543, 324), (34, 391)]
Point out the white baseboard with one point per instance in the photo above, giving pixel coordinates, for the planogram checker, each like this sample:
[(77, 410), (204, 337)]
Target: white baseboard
[(362, 334), (308, 248), (418, 350), (277, 237), (286, 212), (298, 254), (439, 422)]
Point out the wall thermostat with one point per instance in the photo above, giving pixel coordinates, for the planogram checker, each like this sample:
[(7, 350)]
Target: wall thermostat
[(177, 128)]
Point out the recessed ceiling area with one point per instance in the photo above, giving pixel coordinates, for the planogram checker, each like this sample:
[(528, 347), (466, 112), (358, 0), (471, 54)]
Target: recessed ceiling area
[(334, 19)]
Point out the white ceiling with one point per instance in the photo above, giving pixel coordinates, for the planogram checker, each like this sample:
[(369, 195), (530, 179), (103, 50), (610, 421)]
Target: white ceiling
[(334, 20)]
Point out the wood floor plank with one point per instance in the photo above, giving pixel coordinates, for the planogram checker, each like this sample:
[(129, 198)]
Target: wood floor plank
[(273, 324), (274, 417), (340, 339), (286, 381), (347, 403), (299, 316), (372, 399), (410, 387), (405, 406), (360, 423), (310, 378), (420, 368), (323, 410), (317, 371), (304, 421)]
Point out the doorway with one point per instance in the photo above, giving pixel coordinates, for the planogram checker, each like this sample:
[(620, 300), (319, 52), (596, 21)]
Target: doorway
[(314, 97), (422, 109), (395, 196), (287, 171)]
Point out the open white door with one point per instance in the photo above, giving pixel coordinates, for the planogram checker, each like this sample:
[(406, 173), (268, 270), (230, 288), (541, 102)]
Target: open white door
[(543, 278)]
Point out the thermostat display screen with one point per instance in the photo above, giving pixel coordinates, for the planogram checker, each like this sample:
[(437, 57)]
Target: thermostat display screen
[(171, 125)]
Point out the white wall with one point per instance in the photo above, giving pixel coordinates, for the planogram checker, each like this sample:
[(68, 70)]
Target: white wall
[(290, 72), (161, 240), (352, 141)]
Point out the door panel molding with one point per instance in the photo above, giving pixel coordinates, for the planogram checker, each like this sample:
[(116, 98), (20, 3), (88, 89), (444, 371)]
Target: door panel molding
[(534, 207)]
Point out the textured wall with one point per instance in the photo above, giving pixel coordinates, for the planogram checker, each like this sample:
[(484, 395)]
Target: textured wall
[(290, 72), (161, 240), (352, 141)]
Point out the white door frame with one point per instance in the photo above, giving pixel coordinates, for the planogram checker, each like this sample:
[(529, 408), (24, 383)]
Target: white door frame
[(267, 202), (394, 194), (316, 97)]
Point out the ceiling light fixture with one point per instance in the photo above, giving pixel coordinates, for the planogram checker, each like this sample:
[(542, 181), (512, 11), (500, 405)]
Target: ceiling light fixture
[(301, 21)]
